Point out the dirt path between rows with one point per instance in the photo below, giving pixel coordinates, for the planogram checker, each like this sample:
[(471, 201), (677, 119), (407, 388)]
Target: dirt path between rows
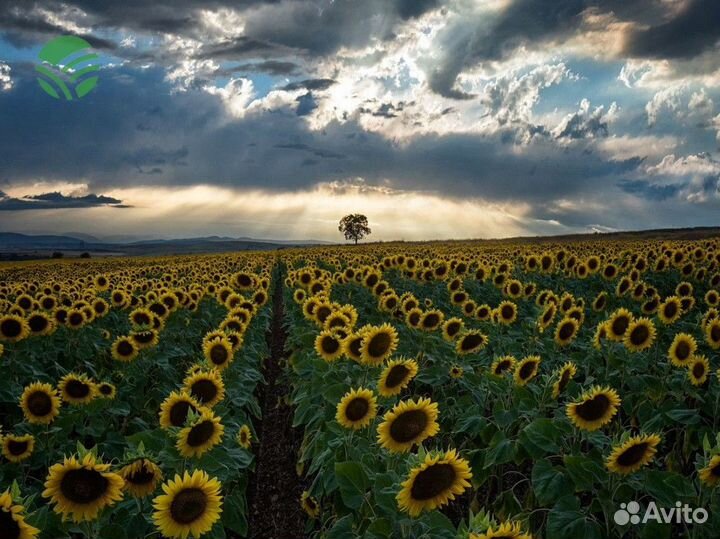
[(274, 491)]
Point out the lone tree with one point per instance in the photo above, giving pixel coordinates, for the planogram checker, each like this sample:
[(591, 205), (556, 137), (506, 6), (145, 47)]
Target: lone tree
[(354, 226)]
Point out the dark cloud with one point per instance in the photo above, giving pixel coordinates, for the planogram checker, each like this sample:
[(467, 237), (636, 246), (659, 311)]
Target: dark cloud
[(272, 67), (53, 201), (309, 84), (650, 191), (694, 30)]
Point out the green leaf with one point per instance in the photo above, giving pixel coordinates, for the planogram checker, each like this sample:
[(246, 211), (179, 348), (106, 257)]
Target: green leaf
[(233, 515), (353, 483), (541, 437), (567, 521), (668, 487), (113, 531), (584, 471), (342, 529), (549, 483), (380, 527), (500, 450)]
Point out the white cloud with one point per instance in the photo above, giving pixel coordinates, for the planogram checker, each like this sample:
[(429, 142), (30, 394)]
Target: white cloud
[(6, 83), (666, 99), (700, 103)]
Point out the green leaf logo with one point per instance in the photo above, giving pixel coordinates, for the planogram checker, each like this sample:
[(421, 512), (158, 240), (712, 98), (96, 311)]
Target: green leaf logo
[(66, 62)]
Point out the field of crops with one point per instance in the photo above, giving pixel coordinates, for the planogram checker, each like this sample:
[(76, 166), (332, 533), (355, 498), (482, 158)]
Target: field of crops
[(442, 390)]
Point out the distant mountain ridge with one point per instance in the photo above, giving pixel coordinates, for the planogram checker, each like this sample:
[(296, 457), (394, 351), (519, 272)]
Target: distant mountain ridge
[(45, 244)]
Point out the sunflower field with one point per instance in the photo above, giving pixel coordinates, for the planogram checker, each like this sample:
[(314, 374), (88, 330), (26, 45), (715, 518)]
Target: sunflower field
[(441, 390)]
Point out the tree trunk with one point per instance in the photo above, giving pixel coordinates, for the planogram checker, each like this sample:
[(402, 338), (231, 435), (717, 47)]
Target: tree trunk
[(355, 241)]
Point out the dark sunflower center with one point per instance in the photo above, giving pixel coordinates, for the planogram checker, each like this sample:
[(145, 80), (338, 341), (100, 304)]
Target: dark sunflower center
[(357, 409), (17, 448), (355, 346), (379, 345), (431, 320), (408, 425), (8, 527), (682, 350), (142, 319), (39, 403), (566, 331), (453, 328), (670, 309), (105, 389), (715, 470), (548, 315), (77, 389), (125, 348), (471, 341), (527, 369), (433, 481), (507, 312), (179, 413), (218, 354), (620, 325), (715, 333), (632, 455), (200, 433), (144, 337), (143, 476), (330, 345), (396, 376), (593, 409), (38, 323), (188, 505), (414, 319), (76, 319), (83, 486), (639, 335), (698, 370), (310, 503), (322, 313), (564, 379), (204, 390), (10, 328), (502, 366)]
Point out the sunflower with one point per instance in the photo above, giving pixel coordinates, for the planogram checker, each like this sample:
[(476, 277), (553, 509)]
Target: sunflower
[(201, 435), (106, 390), (190, 506), (378, 344), (565, 331), (356, 409), (146, 338), (40, 403), (351, 346), (12, 519), (618, 323), (408, 423), (712, 333), (174, 409), (502, 365), (17, 448), (506, 312), (218, 352), (206, 387), (328, 345), (456, 372), (309, 505), (565, 374), (594, 409), (526, 369), (640, 335), (470, 342), (547, 316), (434, 483), (244, 437), (81, 488), (77, 389), (670, 310), (430, 320), (124, 349), (698, 370), (141, 477), (506, 530), (13, 328), (710, 474), (396, 376), (75, 319), (40, 324), (632, 455), (451, 328)]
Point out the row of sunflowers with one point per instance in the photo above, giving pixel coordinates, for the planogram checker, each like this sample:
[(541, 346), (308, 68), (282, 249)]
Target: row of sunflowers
[(129, 395)]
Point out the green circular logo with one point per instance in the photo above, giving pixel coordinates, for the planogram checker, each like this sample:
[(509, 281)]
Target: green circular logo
[(66, 62)]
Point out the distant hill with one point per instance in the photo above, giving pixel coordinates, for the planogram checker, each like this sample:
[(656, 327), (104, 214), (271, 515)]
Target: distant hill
[(23, 246)]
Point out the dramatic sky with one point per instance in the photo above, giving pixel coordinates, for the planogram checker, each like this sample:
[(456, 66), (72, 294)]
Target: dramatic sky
[(435, 118)]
